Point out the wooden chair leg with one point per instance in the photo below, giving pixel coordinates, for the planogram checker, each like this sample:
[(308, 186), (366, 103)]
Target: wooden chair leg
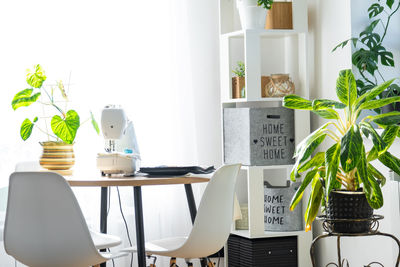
[(172, 262), (210, 264)]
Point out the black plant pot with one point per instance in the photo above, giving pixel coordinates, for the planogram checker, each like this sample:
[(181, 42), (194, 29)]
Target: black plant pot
[(349, 205)]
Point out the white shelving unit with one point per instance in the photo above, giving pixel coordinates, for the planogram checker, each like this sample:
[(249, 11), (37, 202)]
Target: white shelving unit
[(265, 52)]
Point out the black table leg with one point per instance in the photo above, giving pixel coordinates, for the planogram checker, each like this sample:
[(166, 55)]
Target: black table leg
[(103, 215), (140, 243), (191, 201)]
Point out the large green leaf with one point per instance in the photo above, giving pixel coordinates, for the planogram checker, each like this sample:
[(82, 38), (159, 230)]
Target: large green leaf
[(319, 104), (374, 10), (373, 104), (308, 139), (300, 191), (24, 98), (26, 128), (306, 152), (296, 102), (329, 114), (377, 174), (377, 140), (350, 148), (37, 77), (388, 136), (66, 128), (314, 202), (390, 118), (373, 93), (346, 88), (390, 161), (331, 164), (316, 161), (370, 186)]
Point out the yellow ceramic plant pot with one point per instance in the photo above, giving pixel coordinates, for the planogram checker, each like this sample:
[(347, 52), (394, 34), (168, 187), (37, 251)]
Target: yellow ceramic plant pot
[(57, 156)]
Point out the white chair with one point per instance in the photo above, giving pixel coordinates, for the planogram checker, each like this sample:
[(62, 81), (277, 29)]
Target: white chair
[(100, 240), (44, 224), (212, 224)]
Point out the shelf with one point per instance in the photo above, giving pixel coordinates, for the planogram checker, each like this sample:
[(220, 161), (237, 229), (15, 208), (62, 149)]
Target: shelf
[(261, 99), (270, 167), (245, 233), (262, 33)]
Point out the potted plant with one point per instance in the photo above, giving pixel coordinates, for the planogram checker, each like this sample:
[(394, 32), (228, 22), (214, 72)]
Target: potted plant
[(58, 148), (238, 81), (253, 13), (344, 171), (370, 54)]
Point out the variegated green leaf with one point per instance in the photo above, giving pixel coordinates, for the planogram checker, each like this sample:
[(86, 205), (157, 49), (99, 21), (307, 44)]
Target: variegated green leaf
[(390, 161), (300, 191), (377, 174), (314, 202), (385, 119), (350, 149), (24, 98), (66, 128), (316, 161), (373, 93), (329, 114), (94, 123), (346, 88), (319, 104), (296, 102), (36, 78), (332, 157), (378, 142), (373, 104), (26, 128), (389, 134)]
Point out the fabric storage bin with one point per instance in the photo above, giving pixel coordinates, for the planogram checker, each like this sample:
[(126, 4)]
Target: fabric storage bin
[(261, 252), (258, 136), (277, 215)]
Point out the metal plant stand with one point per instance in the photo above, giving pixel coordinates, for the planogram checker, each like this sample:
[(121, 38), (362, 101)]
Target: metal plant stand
[(327, 224)]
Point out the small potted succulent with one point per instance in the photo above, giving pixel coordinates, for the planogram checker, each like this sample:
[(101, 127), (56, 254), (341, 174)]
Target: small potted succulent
[(253, 13), (342, 178), (238, 81), (58, 148)]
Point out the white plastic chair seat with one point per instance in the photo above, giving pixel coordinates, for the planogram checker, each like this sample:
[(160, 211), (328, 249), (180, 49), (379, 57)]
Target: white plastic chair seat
[(161, 247), (207, 235), (103, 241)]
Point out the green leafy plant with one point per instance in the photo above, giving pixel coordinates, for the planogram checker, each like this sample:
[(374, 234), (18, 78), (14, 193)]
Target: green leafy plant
[(240, 69), (64, 124), (346, 163), (267, 4), (369, 50)]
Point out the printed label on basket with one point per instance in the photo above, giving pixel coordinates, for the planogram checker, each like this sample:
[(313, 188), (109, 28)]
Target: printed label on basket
[(277, 216)]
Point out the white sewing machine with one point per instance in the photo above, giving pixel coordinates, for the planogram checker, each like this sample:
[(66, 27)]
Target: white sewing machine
[(122, 154)]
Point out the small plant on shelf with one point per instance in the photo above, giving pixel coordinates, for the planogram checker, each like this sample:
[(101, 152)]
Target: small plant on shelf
[(369, 51), (238, 82), (346, 164), (267, 4)]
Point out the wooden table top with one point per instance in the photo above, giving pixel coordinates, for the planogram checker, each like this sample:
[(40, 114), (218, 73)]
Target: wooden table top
[(98, 180)]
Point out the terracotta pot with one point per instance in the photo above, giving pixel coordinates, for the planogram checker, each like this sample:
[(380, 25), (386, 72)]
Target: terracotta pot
[(238, 87), (57, 156)]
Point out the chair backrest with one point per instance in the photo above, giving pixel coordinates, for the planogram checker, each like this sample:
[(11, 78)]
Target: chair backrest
[(44, 224), (214, 217)]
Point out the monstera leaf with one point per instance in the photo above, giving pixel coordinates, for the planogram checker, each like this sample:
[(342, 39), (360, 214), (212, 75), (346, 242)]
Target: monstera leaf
[(66, 128)]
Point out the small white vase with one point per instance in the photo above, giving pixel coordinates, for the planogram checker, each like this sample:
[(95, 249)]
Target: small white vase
[(251, 15)]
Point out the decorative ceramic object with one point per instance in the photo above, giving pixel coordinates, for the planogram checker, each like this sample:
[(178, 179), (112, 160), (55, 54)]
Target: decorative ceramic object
[(57, 156), (278, 85)]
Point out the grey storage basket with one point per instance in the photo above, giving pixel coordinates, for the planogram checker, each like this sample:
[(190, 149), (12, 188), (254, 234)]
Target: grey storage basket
[(277, 216)]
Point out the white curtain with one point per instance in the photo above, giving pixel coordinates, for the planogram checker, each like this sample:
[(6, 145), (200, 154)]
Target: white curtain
[(158, 59)]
